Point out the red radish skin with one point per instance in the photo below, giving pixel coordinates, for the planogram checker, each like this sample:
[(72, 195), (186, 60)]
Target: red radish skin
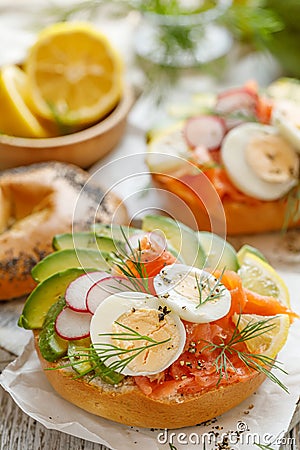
[(72, 325), (77, 291), (239, 101), (104, 288), (207, 131)]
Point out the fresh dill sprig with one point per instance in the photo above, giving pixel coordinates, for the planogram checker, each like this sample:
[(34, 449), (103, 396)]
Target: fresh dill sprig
[(216, 291), (140, 283), (107, 351), (87, 355), (259, 362), (172, 447), (264, 447)]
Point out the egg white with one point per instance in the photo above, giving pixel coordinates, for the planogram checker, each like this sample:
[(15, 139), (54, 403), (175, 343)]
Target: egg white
[(175, 278), (233, 153), (117, 304)]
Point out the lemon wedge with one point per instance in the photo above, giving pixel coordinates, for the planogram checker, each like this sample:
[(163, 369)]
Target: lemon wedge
[(167, 149), (258, 276), (246, 248), (74, 74), (16, 119), (271, 341)]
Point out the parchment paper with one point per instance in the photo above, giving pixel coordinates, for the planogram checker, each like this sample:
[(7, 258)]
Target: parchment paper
[(263, 418)]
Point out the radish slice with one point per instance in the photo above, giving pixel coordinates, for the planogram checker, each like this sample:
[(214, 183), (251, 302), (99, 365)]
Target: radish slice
[(207, 131), (104, 288), (239, 104), (76, 292), (156, 238), (72, 325)]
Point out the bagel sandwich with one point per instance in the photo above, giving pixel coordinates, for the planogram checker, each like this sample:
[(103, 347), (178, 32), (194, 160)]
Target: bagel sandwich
[(155, 339), (239, 149)]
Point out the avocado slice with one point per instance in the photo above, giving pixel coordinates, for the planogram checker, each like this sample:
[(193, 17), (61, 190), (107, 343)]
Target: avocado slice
[(44, 296), (87, 240), (219, 253), (52, 347), (182, 238), (114, 231), (69, 258)]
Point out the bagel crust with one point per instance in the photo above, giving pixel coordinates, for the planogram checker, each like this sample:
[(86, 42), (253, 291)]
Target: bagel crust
[(37, 202), (127, 404), (249, 217)]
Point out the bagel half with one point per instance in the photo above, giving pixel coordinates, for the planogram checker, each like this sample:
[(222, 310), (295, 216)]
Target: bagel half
[(37, 202), (127, 404), (249, 217)]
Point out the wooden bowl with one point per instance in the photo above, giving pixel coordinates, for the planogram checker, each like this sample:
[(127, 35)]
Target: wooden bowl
[(82, 148)]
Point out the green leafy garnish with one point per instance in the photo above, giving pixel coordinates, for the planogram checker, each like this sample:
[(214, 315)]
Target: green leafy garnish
[(259, 362), (107, 351), (97, 368), (138, 284), (215, 291)]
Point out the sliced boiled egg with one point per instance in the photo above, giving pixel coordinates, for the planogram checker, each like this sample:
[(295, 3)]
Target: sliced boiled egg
[(136, 334), (286, 118), (194, 294), (259, 161)]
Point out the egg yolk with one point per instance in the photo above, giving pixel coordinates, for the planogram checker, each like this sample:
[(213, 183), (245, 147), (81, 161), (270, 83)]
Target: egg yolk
[(159, 327)]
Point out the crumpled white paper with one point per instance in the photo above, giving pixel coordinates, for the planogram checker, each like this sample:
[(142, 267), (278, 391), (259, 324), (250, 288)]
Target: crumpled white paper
[(263, 418)]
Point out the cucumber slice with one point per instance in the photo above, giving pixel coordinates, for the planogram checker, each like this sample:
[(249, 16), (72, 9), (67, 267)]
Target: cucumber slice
[(87, 240), (44, 296), (106, 374), (69, 258), (78, 353), (219, 253), (182, 238), (52, 347)]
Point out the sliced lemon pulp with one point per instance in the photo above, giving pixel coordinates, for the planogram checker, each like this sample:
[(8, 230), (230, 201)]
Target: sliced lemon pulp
[(271, 341), (74, 74), (258, 276), (16, 118), (167, 151)]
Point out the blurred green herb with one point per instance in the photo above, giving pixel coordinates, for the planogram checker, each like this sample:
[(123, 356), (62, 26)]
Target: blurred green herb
[(252, 22), (163, 7), (174, 7)]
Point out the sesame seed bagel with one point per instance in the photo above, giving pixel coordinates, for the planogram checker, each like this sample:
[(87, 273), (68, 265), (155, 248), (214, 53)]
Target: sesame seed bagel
[(127, 404), (37, 202)]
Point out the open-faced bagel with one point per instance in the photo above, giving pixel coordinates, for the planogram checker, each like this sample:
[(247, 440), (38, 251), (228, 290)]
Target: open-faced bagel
[(248, 217), (37, 202), (127, 404)]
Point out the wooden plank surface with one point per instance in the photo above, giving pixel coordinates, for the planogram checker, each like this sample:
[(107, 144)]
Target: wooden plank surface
[(20, 432)]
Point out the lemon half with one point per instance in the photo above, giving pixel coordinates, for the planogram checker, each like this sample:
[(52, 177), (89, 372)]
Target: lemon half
[(74, 74)]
